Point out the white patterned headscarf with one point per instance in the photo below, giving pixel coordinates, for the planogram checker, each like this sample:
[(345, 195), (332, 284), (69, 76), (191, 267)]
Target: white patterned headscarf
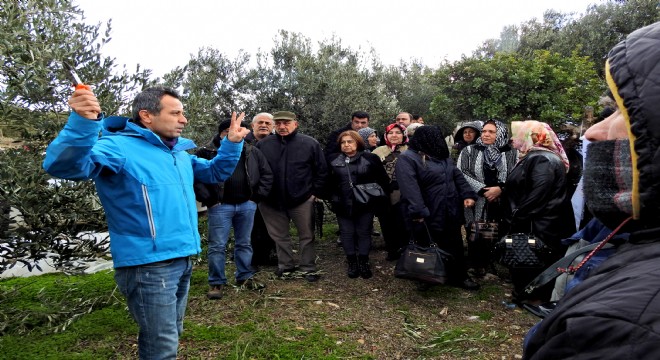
[(493, 152)]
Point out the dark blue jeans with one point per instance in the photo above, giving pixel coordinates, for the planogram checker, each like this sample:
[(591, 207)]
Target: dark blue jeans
[(157, 295), (222, 218)]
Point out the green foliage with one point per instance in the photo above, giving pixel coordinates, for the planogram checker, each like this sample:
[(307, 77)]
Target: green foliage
[(51, 303), (591, 34), (52, 217), (547, 87), (35, 38)]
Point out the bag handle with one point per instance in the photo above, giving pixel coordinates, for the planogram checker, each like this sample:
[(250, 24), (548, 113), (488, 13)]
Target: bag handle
[(431, 242)]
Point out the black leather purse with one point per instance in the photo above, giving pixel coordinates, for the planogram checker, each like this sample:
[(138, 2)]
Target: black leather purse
[(364, 193), (522, 250), (427, 264)]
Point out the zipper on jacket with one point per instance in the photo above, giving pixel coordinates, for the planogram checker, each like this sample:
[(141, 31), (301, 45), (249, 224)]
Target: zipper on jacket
[(185, 196), (150, 214)]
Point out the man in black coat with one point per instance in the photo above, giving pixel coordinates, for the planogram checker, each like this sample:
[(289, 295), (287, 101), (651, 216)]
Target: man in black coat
[(300, 172), (615, 312)]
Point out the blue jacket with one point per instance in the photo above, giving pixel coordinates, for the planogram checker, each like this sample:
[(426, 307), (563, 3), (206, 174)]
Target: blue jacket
[(146, 189)]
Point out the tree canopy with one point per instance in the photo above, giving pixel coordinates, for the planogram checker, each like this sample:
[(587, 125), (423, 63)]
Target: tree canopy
[(547, 69)]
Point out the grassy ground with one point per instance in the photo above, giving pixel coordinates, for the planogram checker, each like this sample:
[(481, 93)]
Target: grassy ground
[(84, 317)]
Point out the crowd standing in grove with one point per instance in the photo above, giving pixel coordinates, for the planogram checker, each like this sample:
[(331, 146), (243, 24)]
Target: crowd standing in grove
[(148, 182)]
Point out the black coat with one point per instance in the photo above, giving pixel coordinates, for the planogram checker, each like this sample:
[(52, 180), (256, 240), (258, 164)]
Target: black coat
[(259, 174), (364, 168), (535, 198), (432, 189), (299, 168), (613, 314)]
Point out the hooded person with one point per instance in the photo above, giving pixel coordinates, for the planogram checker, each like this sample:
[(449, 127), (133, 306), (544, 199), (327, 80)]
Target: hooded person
[(434, 193), (464, 136), (615, 312)]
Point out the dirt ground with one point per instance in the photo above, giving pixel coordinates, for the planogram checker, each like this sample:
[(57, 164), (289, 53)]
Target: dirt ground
[(388, 318)]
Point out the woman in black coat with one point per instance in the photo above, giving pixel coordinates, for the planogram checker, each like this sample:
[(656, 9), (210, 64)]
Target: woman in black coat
[(355, 166), (434, 193), (535, 198)]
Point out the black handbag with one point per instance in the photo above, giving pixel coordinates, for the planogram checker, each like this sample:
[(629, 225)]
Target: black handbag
[(522, 250), (364, 193), (427, 264)]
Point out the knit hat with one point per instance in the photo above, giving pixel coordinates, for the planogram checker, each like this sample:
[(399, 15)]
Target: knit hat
[(365, 133)]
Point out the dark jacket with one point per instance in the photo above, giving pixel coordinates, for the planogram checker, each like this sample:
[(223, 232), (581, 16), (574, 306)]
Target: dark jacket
[(615, 312), (535, 198), (432, 189), (258, 172), (331, 147), (364, 168), (299, 168)]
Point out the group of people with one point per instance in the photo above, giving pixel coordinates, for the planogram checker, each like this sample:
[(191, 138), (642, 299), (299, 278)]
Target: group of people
[(148, 183)]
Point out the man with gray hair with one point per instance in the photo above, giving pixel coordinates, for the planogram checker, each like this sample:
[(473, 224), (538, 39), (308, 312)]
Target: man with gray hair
[(263, 246), (262, 126)]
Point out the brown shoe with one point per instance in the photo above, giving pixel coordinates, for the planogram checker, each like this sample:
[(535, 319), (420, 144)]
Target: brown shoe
[(215, 292)]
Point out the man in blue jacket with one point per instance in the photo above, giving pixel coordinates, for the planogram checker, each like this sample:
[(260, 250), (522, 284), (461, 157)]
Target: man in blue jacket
[(144, 178)]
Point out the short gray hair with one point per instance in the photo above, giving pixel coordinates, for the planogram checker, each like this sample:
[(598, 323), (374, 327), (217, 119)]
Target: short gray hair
[(268, 115)]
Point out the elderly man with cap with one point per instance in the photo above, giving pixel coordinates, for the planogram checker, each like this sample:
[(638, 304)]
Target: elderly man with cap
[(615, 312), (233, 203), (300, 172)]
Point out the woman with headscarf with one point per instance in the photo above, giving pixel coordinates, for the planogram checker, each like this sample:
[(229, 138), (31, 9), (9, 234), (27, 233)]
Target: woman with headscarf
[(486, 165), (535, 198), (370, 138), (391, 217), (464, 136), (434, 193)]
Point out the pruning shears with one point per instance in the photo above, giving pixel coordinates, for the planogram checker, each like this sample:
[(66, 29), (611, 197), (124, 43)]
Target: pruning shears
[(73, 76)]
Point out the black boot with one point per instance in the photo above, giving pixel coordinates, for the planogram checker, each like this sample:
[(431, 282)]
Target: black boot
[(353, 270), (365, 267)]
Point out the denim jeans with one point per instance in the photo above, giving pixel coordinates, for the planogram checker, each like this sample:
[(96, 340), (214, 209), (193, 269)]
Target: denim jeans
[(157, 295), (221, 218)]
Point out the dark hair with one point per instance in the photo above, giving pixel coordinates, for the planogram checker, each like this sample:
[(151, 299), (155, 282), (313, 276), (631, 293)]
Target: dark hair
[(360, 115), (149, 100), (416, 116), (355, 136)]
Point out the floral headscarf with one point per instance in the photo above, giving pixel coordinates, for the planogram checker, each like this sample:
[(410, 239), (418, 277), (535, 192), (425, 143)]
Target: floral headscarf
[(403, 133), (492, 153), (546, 139)]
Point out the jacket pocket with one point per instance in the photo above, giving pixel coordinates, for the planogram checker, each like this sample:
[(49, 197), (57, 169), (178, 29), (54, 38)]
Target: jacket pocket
[(149, 211)]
